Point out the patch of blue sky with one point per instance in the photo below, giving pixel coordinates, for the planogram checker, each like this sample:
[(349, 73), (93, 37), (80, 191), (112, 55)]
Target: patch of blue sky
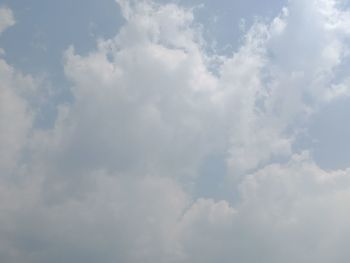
[(45, 29)]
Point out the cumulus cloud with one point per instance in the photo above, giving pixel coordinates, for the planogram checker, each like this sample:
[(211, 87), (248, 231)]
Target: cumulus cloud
[(287, 212), (16, 115), (113, 179)]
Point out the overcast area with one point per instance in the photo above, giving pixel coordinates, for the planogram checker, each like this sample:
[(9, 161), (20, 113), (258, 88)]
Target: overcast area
[(174, 131)]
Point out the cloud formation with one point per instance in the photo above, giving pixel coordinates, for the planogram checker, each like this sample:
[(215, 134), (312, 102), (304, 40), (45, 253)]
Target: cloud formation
[(113, 179), (6, 18)]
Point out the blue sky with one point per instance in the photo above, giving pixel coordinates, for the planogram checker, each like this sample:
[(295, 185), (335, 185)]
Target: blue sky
[(174, 131), (46, 28)]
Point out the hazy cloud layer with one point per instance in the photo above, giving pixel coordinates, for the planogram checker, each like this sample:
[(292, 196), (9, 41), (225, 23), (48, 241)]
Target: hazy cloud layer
[(114, 179), (6, 19)]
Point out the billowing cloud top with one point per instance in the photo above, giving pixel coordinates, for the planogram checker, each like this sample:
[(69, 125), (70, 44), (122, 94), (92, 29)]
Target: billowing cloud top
[(170, 152)]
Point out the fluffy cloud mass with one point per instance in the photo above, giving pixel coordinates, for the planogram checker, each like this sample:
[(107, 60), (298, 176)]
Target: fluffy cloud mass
[(115, 177)]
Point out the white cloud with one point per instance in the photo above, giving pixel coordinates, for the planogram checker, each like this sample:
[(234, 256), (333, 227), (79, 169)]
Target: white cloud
[(287, 212), (112, 180), (15, 116), (6, 19)]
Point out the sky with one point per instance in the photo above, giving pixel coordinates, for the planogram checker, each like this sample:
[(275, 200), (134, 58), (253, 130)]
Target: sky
[(159, 131)]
